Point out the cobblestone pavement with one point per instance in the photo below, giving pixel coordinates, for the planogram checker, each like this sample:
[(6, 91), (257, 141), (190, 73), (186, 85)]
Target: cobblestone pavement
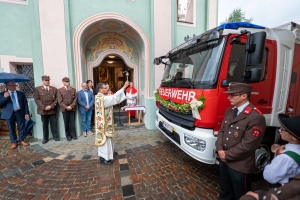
[(146, 166)]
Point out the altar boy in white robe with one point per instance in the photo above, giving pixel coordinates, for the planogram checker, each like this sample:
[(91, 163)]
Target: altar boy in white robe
[(104, 122)]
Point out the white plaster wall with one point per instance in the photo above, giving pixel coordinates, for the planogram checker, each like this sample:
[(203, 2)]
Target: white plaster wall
[(8, 62), (162, 34), (53, 39), (212, 13)]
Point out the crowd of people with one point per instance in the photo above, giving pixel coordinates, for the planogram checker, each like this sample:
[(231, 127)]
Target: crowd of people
[(241, 132), (47, 97)]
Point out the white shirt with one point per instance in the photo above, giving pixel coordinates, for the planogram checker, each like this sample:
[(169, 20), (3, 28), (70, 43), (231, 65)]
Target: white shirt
[(46, 87), (242, 107), (16, 97), (282, 166)]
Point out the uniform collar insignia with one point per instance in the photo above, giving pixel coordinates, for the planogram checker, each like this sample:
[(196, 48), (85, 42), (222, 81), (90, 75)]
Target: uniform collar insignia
[(43, 87), (247, 110)]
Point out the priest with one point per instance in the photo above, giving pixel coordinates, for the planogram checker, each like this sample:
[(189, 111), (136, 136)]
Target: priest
[(104, 121)]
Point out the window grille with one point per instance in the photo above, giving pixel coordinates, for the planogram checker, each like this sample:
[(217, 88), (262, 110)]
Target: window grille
[(26, 87)]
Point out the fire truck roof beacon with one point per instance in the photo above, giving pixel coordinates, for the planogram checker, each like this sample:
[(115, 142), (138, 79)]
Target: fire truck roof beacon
[(237, 25)]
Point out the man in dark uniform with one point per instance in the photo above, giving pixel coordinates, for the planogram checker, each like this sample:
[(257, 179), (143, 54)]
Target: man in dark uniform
[(241, 133), (45, 97), (67, 99)]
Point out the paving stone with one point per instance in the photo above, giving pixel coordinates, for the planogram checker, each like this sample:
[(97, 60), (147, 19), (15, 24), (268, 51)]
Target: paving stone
[(154, 169), (127, 190), (12, 172), (124, 167), (39, 162), (122, 156), (125, 173)]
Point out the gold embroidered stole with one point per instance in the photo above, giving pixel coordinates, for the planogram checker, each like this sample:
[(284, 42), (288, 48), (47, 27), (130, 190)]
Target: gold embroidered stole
[(104, 121)]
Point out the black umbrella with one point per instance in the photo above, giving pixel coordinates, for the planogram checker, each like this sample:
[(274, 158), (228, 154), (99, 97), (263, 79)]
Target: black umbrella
[(28, 126), (4, 77)]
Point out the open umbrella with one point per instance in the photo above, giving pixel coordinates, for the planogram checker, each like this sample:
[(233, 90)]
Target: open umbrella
[(4, 76)]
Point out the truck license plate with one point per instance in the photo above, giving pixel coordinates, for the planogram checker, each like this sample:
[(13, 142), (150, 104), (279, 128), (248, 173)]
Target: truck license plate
[(168, 127)]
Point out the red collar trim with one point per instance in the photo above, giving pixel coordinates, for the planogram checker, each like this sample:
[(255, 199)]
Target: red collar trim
[(43, 88), (247, 110)]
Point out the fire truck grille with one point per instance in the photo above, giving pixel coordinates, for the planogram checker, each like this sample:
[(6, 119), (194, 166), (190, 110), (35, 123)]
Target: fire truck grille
[(184, 120)]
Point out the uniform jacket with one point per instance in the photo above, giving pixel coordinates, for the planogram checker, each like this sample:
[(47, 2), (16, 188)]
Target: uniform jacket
[(44, 98), (240, 137), (8, 108), (289, 191), (67, 98), (82, 100)]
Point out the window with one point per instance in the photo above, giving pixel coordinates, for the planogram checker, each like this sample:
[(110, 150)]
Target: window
[(236, 64), (26, 87), (185, 11), (22, 2)]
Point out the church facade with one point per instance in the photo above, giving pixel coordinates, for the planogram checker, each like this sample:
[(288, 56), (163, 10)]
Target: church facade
[(97, 40)]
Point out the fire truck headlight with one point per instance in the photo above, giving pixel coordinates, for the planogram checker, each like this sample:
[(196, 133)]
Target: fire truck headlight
[(195, 143)]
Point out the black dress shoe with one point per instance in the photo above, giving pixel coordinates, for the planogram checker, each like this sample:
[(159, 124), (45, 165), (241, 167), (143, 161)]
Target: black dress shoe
[(74, 138), (106, 162), (44, 141), (56, 139), (69, 138)]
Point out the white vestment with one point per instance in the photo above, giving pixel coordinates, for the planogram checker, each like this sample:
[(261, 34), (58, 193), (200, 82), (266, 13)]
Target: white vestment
[(106, 151), (131, 98)]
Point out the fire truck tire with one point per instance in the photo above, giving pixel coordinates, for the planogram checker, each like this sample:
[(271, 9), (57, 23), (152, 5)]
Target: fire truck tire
[(262, 158)]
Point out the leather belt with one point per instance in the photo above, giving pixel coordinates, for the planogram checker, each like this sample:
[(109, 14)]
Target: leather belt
[(17, 110)]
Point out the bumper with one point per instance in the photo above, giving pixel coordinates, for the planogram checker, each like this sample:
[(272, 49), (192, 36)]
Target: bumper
[(177, 137)]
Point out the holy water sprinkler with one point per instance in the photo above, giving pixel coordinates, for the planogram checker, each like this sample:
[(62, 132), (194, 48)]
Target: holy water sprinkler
[(127, 74)]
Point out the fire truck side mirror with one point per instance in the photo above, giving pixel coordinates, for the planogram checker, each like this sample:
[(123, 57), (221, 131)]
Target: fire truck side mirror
[(252, 75), (255, 48), (157, 61)]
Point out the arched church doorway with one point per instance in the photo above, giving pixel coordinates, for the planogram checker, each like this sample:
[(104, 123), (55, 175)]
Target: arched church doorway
[(111, 71), (106, 34)]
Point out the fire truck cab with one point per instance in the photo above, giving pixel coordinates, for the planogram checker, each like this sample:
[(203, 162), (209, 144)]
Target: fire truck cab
[(202, 68)]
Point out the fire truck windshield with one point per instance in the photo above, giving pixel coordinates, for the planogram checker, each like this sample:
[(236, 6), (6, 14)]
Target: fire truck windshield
[(195, 67)]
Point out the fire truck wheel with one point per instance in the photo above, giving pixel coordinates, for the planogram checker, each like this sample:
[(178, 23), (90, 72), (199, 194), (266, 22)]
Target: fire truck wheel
[(262, 158)]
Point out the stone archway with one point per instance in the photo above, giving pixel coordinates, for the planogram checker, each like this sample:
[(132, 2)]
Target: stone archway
[(78, 50)]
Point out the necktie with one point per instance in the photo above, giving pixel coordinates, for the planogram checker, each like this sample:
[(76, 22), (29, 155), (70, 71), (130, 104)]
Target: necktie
[(14, 100), (235, 112)]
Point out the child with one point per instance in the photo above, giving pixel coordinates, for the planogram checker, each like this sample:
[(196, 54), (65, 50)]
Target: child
[(286, 164)]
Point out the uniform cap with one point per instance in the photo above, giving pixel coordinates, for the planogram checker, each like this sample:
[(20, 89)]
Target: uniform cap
[(291, 124), (239, 87), (46, 78), (66, 79)]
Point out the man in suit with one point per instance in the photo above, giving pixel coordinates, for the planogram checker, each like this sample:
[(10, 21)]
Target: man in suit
[(86, 107), (14, 110), (241, 133), (67, 99), (45, 97)]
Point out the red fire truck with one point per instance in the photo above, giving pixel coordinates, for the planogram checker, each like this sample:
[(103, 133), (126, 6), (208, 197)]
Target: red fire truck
[(191, 101)]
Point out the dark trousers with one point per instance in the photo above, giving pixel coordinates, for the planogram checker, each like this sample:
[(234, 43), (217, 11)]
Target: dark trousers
[(11, 123), (233, 184), (69, 120), (53, 125), (93, 118)]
